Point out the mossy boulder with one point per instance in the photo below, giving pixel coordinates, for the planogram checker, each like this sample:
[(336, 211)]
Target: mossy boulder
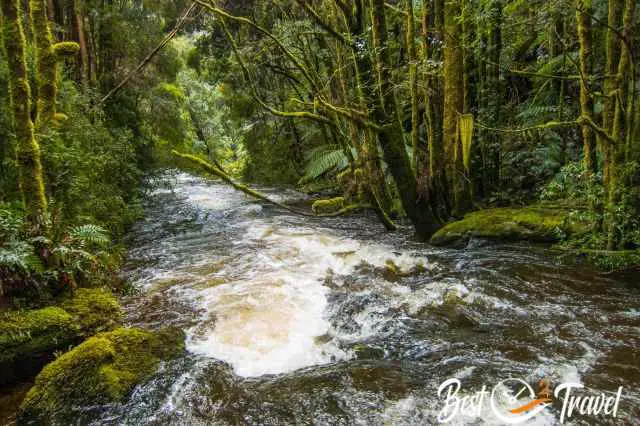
[(329, 206), (537, 224), (29, 338), (94, 311), (32, 333), (103, 369)]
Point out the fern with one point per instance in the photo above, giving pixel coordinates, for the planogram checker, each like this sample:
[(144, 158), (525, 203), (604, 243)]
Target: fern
[(19, 256), (322, 160), (10, 225), (90, 235)]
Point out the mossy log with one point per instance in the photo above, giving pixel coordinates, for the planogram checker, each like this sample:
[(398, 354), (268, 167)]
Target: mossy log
[(103, 369), (537, 224), (29, 338)]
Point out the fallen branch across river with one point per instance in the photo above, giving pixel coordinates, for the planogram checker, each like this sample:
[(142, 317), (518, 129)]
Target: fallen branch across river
[(210, 168)]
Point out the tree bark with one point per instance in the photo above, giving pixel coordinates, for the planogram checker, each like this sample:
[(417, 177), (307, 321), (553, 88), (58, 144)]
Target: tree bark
[(454, 106), (583, 18), (391, 137), (28, 151)]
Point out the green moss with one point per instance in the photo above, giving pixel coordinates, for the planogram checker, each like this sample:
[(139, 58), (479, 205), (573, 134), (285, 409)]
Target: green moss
[(103, 369), (328, 206), (32, 333), (65, 49), (94, 310), (29, 166), (37, 333), (539, 224)]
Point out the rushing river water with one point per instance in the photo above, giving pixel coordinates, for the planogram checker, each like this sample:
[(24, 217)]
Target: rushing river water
[(294, 320)]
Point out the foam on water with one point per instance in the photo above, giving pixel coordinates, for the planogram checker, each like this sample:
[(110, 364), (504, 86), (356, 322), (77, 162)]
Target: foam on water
[(272, 318)]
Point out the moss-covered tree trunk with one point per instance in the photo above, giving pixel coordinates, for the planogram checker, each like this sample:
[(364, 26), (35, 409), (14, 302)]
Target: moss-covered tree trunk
[(413, 83), (46, 62), (27, 148), (618, 94), (457, 179), (583, 19), (391, 136), (48, 53)]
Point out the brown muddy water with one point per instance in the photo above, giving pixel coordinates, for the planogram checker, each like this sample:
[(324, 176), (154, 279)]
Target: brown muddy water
[(297, 321)]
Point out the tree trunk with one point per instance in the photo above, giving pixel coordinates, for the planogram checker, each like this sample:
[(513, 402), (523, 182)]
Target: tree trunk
[(46, 63), (454, 106), (28, 151), (391, 137), (583, 19), (413, 84), (81, 38)]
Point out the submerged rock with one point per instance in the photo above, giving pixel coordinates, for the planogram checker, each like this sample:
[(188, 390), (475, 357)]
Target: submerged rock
[(103, 369), (537, 224), (29, 338)]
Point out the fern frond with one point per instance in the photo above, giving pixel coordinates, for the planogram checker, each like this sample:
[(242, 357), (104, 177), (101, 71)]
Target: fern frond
[(90, 234), (20, 256), (323, 160)]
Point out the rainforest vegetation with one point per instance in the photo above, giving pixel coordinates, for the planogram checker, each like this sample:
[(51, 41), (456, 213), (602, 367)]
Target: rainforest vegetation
[(505, 119)]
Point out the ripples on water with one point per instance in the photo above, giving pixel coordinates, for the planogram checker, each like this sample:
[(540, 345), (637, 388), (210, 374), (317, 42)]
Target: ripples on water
[(294, 320)]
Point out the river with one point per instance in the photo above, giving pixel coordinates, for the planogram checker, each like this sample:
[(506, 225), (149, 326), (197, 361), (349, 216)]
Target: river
[(332, 321)]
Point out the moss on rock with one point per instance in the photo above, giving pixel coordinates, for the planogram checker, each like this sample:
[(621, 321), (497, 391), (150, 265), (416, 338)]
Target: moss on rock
[(103, 369), (33, 333), (538, 224), (29, 338), (94, 310), (329, 206)]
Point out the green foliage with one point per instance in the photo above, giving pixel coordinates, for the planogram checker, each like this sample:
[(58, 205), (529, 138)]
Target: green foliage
[(322, 160), (17, 252), (92, 169), (585, 197), (90, 235)]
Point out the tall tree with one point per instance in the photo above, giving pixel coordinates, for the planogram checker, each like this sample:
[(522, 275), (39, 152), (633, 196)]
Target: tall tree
[(391, 136), (457, 179), (27, 148), (583, 18), (48, 54)]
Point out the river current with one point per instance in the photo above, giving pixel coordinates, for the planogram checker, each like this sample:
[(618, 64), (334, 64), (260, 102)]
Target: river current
[(333, 321)]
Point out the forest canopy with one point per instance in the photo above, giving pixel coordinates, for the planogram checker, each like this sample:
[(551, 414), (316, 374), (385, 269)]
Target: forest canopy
[(421, 110)]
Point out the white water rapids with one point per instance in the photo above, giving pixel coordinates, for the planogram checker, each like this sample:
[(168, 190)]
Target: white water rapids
[(293, 320)]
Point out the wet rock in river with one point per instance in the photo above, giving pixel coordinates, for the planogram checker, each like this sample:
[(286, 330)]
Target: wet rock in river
[(103, 369), (332, 205), (535, 223)]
